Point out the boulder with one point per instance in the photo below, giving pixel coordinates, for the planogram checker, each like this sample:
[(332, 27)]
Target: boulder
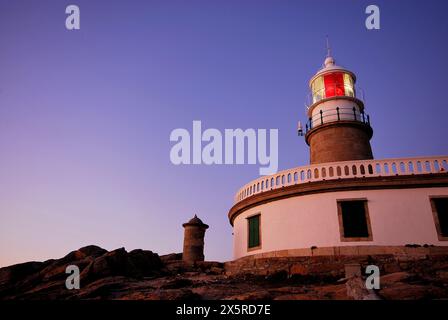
[(405, 291), (171, 257), (15, 273), (135, 264)]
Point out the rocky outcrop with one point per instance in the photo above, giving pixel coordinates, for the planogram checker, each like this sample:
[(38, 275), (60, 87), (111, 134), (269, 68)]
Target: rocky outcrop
[(135, 264), (47, 279), (143, 275)]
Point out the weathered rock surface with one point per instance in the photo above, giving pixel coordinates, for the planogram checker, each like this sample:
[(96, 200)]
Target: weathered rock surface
[(143, 275)]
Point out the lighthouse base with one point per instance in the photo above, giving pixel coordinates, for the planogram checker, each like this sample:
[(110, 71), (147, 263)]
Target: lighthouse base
[(331, 261)]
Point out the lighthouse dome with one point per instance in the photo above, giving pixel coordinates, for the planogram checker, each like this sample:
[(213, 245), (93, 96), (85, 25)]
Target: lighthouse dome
[(329, 61)]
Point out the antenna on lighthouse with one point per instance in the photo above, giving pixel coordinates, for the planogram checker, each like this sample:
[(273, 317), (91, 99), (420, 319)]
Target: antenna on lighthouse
[(328, 46), (329, 61)]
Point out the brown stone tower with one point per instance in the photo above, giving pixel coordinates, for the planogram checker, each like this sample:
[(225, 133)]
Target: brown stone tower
[(194, 240), (337, 127)]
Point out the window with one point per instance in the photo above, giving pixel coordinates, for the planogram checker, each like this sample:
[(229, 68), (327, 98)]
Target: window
[(253, 228), (334, 84), (317, 87), (354, 221), (348, 85), (439, 207)]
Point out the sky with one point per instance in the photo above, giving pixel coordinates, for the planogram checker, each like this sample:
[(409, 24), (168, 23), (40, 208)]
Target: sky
[(86, 115)]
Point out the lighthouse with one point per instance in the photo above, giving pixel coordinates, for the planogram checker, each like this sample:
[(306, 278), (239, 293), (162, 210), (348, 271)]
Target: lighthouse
[(338, 129), (344, 203)]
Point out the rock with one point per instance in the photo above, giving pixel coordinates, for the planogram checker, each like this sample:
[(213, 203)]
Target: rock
[(173, 294), (299, 296), (404, 291), (171, 257), (392, 267), (80, 254), (442, 275), (112, 263), (17, 272), (143, 275), (281, 275), (81, 258), (177, 283), (393, 278), (176, 266), (352, 270), (356, 289), (215, 270), (135, 264), (204, 265), (298, 269), (87, 251), (332, 292), (33, 276), (106, 288), (143, 263), (255, 295)]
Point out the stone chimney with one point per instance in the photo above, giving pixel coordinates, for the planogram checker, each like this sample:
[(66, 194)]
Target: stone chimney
[(194, 240)]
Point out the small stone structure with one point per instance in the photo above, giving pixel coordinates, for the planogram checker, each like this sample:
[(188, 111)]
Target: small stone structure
[(194, 240)]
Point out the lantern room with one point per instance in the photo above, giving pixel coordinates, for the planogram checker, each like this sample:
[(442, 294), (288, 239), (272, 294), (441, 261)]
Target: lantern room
[(332, 81), (337, 129), (333, 96)]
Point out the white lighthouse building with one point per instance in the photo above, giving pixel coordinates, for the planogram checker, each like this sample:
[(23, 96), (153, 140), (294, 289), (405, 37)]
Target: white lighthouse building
[(344, 201)]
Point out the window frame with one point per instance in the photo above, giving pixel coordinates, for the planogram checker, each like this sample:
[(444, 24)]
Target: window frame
[(259, 231), (318, 89), (435, 216), (341, 221)]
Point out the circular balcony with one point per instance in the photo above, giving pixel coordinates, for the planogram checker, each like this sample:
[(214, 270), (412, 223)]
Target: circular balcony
[(344, 170), (337, 114)]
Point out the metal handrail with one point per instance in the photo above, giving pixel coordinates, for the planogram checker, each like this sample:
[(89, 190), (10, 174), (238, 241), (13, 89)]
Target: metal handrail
[(337, 112)]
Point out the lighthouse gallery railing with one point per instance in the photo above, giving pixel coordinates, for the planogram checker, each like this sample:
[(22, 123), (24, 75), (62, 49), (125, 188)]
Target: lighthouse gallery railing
[(343, 170)]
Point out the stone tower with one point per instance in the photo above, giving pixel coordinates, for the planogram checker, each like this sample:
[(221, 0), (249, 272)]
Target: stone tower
[(194, 240), (337, 127)]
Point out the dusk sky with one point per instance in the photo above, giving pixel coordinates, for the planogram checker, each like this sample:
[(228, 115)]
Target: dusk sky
[(86, 115)]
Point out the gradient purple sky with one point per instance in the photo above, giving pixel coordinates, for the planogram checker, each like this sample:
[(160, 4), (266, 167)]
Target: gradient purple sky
[(85, 116)]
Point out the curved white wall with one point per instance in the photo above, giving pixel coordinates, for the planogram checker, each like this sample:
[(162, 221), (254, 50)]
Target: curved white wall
[(397, 216)]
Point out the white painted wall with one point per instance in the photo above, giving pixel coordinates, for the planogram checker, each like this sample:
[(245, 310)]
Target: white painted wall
[(398, 217)]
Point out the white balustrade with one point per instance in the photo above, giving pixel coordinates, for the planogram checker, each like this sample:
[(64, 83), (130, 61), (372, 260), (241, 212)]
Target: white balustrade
[(344, 170)]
